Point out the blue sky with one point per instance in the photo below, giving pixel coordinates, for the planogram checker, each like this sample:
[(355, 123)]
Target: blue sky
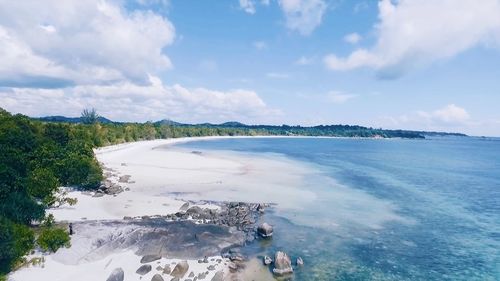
[(412, 64)]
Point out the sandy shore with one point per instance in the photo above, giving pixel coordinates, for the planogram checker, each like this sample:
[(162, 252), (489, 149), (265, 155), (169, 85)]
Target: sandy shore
[(162, 179)]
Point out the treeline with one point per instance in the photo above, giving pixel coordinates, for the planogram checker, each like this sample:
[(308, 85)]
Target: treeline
[(37, 158)]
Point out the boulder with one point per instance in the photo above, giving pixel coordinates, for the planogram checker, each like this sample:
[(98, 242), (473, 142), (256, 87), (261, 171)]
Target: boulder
[(157, 277), (167, 269), (150, 258), (265, 230), (219, 276), (143, 269), (180, 269), (116, 275), (184, 207), (282, 264)]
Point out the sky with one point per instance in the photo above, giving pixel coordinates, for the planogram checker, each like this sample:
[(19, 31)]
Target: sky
[(409, 64)]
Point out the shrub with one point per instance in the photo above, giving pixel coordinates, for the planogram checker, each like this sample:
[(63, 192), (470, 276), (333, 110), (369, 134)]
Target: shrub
[(51, 239)]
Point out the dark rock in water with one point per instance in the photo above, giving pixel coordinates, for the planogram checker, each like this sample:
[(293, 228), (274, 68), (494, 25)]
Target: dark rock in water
[(194, 210), (211, 267), (300, 261), (219, 276), (184, 207), (116, 275), (159, 268), (150, 258), (175, 279), (265, 230), (202, 276), (282, 264), (180, 269), (205, 260), (191, 274), (267, 260), (144, 269), (167, 269), (157, 277)]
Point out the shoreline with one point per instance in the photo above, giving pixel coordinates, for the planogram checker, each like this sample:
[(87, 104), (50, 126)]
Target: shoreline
[(144, 199)]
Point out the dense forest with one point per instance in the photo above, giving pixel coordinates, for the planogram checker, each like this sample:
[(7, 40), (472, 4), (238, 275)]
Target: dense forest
[(37, 156)]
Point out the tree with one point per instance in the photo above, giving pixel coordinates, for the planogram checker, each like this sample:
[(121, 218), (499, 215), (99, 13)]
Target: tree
[(89, 116)]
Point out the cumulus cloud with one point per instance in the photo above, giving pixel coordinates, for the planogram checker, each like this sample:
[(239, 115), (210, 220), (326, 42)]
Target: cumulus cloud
[(449, 117), (352, 38), (339, 97), (450, 114), (303, 16), (127, 101), (80, 42), (412, 33)]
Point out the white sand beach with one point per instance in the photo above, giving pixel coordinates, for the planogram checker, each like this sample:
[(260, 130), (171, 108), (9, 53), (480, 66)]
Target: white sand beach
[(162, 179)]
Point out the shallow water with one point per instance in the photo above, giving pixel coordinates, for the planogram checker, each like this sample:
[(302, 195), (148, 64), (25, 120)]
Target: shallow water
[(387, 209)]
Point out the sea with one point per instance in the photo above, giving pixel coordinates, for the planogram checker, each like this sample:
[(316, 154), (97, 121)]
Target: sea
[(386, 209)]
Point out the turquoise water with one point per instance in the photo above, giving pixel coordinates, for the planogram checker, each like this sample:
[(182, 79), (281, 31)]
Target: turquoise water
[(427, 209)]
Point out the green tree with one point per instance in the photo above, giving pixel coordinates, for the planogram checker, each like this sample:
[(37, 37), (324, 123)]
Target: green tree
[(53, 238), (89, 116)]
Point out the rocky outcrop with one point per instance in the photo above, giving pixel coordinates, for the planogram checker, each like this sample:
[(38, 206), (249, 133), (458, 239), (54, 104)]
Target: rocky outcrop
[(180, 269), (150, 258), (144, 269), (116, 275), (282, 264), (265, 230)]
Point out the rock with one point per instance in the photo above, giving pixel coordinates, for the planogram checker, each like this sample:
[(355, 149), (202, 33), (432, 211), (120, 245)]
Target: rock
[(144, 269), (184, 207), (232, 267), (175, 279), (191, 274), (202, 276), (267, 260), (116, 275), (282, 264), (167, 269), (157, 277), (205, 260), (219, 276), (194, 210), (300, 261), (150, 258), (211, 267), (265, 230), (159, 268), (124, 179), (180, 269)]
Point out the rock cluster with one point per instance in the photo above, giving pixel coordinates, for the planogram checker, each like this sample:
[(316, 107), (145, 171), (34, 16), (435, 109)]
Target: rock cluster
[(282, 264), (241, 215)]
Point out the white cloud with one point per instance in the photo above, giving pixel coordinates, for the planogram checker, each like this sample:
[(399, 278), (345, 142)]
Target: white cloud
[(450, 114), (448, 118), (127, 101), (277, 75), (303, 16), (339, 97), (260, 45), (83, 42), (412, 33), (352, 38), (304, 60), (247, 6)]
